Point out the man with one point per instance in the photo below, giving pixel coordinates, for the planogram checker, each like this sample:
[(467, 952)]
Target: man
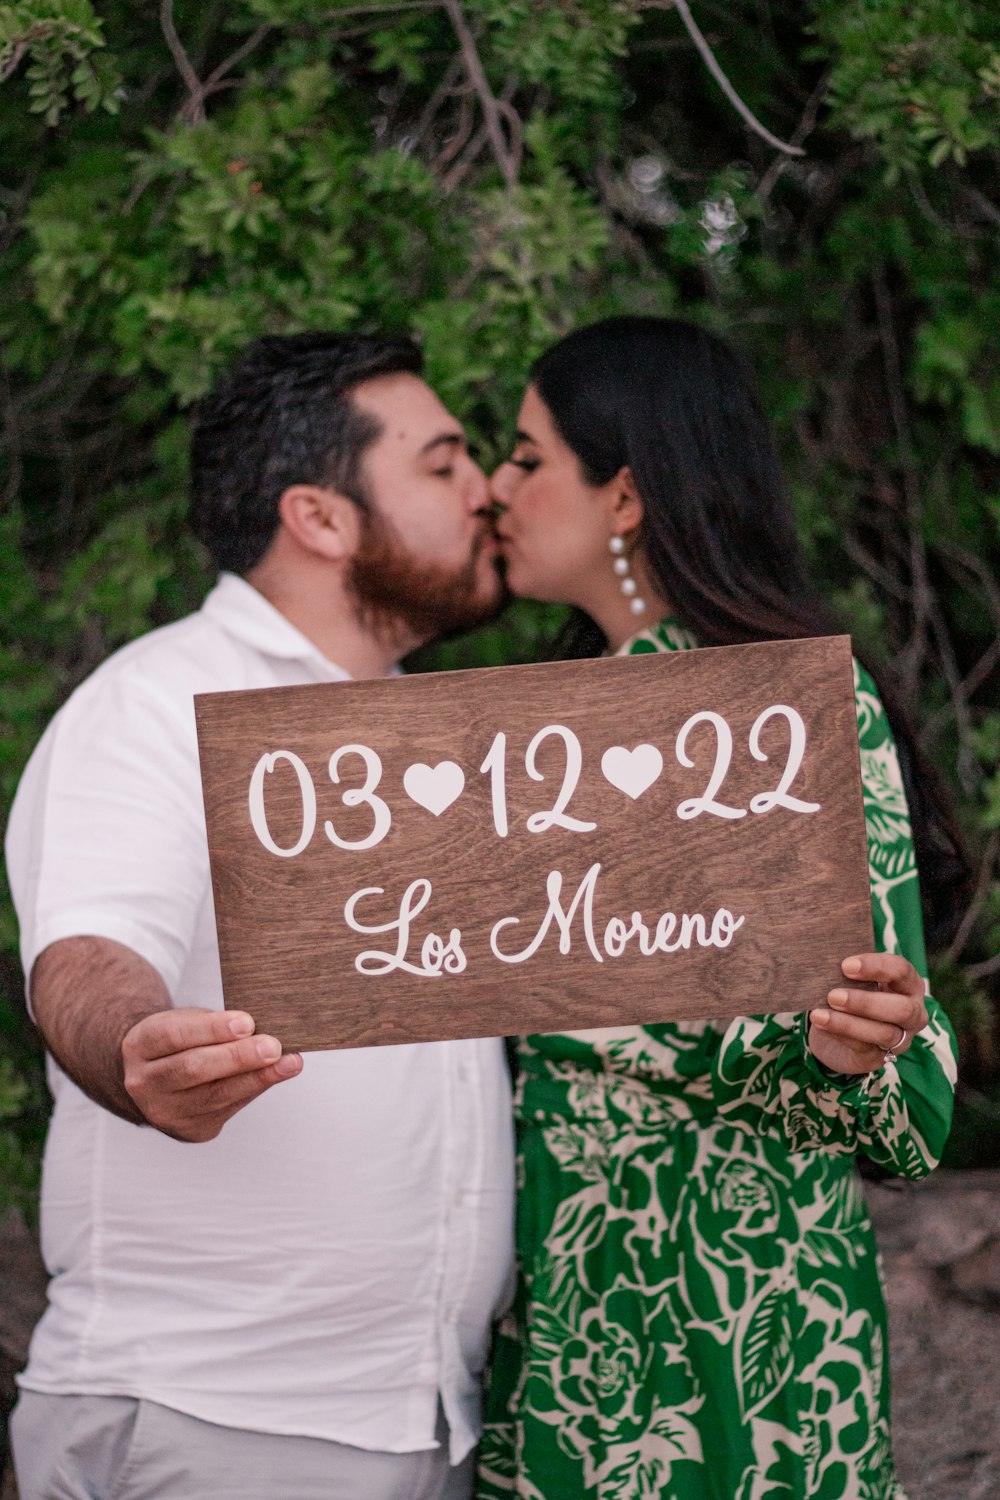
[(297, 1307)]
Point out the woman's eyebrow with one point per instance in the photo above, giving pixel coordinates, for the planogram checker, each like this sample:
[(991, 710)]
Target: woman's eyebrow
[(521, 436)]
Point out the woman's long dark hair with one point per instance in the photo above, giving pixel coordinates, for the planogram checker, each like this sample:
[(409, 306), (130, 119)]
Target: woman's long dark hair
[(678, 407)]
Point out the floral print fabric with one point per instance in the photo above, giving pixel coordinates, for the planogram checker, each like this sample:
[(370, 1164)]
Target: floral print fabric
[(699, 1313)]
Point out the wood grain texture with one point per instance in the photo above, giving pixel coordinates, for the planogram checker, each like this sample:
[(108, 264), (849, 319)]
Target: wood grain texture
[(799, 880)]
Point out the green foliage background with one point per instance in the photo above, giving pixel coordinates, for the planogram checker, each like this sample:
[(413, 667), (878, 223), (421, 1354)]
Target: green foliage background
[(176, 179)]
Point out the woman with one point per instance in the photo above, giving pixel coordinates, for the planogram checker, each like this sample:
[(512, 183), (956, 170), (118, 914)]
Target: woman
[(700, 1315)]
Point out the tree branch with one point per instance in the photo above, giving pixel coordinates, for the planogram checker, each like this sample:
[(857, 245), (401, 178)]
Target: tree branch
[(875, 570), (214, 79), (923, 598), (979, 569), (463, 130), (966, 766), (193, 109), (712, 64), (928, 619), (377, 10), (14, 61), (507, 155), (972, 680), (802, 131), (979, 899), (960, 564), (461, 167), (981, 203), (445, 89), (195, 106), (985, 969)]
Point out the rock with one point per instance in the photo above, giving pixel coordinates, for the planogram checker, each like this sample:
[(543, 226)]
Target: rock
[(22, 1299), (976, 1276), (940, 1245), (22, 1296), (940, 1220)]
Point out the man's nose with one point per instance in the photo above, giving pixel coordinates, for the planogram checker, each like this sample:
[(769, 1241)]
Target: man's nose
[(478, 494), (499, 484)]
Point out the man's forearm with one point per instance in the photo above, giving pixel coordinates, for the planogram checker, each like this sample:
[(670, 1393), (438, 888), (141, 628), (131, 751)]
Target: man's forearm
[(87, 993), (107, 1018)]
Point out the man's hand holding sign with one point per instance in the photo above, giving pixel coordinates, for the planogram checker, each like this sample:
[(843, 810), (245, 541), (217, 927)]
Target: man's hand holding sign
[(531, 849)]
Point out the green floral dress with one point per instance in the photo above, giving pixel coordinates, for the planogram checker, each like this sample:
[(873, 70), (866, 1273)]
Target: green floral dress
[(700, 1314)]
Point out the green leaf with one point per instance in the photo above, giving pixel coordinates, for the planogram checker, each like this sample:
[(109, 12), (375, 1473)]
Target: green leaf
[(763, 1350)]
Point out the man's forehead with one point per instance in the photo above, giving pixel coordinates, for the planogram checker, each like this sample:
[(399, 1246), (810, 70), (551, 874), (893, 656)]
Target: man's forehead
[(409, 412)]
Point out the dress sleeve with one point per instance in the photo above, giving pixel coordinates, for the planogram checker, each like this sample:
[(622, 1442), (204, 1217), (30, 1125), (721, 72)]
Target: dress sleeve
[(765, 1078)]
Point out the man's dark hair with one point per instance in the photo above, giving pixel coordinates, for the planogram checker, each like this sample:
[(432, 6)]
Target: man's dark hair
[(283, 415)]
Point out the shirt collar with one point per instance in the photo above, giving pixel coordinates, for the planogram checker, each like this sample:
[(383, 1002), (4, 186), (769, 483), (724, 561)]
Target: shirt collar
[(244, 613)]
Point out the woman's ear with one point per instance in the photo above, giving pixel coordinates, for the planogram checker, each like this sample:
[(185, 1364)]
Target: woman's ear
[(627, 507), (320, 521)]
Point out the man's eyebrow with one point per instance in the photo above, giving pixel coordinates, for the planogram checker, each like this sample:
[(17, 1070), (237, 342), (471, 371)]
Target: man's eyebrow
[(456, 440)]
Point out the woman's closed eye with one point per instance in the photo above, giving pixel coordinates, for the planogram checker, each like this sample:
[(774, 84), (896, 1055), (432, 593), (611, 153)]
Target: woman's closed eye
[(529, 465)]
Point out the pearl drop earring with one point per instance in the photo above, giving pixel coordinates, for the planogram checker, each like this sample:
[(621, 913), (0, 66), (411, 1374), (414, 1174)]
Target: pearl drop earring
[(628, 585)]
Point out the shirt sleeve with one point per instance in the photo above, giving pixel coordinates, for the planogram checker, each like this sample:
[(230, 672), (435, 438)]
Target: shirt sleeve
[(765, 1078), (106, 836)]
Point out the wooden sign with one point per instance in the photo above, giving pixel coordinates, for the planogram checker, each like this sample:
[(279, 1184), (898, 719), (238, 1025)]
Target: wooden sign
[(540, 848)]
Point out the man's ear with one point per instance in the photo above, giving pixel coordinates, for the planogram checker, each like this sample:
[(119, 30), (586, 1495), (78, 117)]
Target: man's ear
[(321, 521), (626, 505)]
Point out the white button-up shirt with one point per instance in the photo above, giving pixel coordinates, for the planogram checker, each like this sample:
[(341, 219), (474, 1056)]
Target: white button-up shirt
[(331, 1263)]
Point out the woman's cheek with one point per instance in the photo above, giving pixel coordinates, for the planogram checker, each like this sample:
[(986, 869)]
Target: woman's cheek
[(522, 572)]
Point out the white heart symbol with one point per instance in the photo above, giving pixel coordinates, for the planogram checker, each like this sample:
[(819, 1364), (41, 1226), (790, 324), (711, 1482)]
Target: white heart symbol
[(434, 787), (632, 771)]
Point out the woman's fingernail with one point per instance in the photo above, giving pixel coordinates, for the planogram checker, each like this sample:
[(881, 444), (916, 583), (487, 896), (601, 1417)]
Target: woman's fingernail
[(820, 1017), (268, 1048), (851, 966), (838, 999), (289, 1065)]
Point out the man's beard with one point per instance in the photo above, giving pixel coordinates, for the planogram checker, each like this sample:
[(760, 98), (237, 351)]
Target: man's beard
[(397, 594)]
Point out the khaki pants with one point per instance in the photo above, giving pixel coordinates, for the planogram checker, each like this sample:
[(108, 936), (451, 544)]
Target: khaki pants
[(119, 1448)]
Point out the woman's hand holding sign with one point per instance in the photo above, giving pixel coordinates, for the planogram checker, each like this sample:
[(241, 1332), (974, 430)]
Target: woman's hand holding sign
[(857, 1029)]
